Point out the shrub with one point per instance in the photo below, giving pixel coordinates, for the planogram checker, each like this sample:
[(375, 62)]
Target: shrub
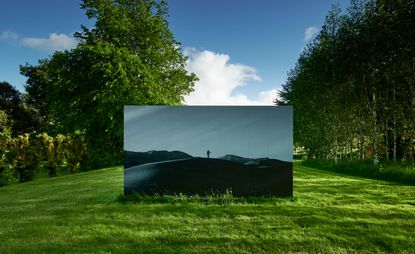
[(26, 157), (75, 152), (7, 174), (63, 152), (22, 157)]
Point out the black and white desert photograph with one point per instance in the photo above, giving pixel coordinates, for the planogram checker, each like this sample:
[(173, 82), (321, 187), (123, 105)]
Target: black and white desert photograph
[(246, 150)]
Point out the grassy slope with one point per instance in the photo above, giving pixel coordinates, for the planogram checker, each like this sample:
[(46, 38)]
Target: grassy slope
[(330, 213)]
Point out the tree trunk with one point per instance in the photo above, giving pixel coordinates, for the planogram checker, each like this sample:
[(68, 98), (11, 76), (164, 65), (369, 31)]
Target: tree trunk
[(394, 136), (335, 149), (328, 153), (412, 141), (374, 132), (362, 143), (411, 148), (387, 140)]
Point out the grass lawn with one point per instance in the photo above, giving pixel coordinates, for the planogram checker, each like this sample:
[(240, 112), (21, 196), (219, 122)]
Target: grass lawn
[(330, 213)]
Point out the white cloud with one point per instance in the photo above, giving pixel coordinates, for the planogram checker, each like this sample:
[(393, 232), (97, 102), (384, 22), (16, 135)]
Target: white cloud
[(310, 33), (267, 97), (52, 43), (218, 79), (9, 36)]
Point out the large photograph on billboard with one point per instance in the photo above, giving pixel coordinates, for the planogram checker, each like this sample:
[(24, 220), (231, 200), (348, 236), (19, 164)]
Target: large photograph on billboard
[(208, 150)]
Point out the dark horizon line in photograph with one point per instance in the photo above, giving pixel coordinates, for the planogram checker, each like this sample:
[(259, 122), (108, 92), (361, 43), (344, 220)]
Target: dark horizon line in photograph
[(209, 154), (134, 158)]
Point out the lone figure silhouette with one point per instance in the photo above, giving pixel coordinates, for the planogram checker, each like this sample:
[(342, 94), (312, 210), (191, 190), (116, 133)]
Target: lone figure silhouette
[(208, 153)]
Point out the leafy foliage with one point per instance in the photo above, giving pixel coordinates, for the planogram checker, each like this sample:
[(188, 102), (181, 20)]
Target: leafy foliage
[(36, 90), (26, 155), (6, 171), (63, 152), (23, 119), (353, 87), (129, 57)]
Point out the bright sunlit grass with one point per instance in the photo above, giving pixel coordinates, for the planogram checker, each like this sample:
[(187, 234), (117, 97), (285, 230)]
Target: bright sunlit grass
[(330, 213)]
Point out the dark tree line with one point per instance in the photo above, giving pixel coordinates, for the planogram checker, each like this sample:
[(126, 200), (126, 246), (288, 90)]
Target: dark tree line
[(23, 118), (353, 87)]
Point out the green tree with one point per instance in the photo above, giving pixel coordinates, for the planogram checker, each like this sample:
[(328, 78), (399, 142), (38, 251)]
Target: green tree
[(353, 88), (129, 57), (24, 119), (36, 89)]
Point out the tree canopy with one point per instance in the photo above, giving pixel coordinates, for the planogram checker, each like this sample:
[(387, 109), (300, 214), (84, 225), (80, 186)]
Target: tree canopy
[(23, 119), (129, 57), (353, 88)]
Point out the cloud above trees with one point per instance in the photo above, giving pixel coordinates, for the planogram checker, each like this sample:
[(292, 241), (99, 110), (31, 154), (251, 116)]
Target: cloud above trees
[(219, 80), (52, 43)]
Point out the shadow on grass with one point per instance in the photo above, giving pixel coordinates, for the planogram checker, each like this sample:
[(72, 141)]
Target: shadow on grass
[(397, 172)]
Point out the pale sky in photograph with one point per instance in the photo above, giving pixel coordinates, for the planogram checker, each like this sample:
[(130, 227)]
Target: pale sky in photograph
[(247, 131)]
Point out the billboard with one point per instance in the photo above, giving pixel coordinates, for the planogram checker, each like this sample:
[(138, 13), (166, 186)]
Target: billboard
[(208, 150)]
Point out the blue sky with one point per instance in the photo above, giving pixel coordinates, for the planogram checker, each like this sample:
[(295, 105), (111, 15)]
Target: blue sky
[(241, 50)]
